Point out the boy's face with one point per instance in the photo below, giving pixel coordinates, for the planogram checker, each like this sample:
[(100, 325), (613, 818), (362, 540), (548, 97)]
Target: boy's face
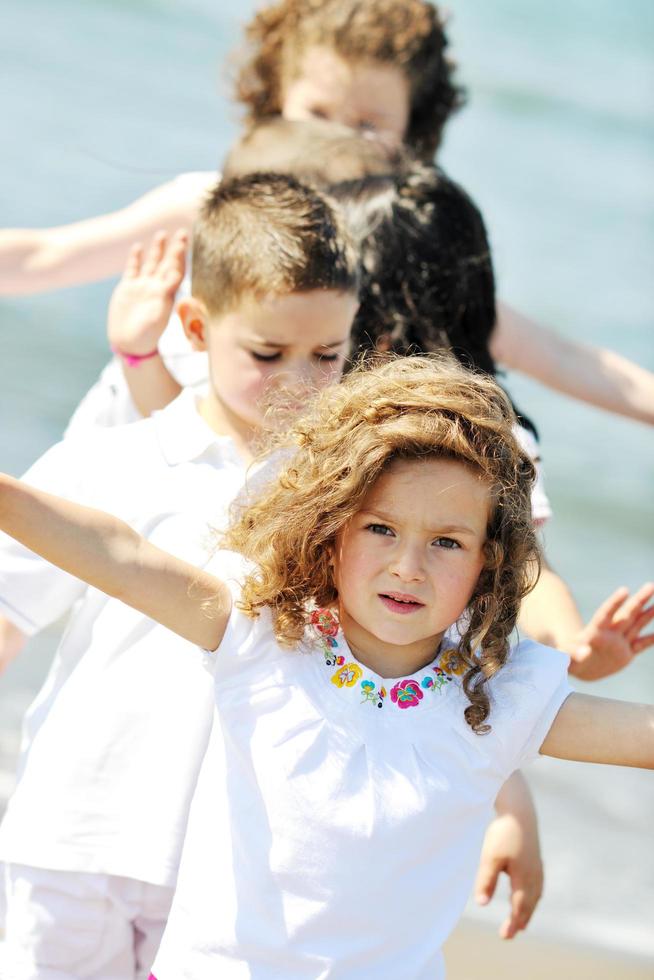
[(406, 565), (299, 341), (364, 95)]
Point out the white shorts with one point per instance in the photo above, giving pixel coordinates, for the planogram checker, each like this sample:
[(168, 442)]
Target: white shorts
[(67, 925)]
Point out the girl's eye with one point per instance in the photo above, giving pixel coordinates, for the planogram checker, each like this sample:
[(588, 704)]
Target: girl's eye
[(266, 357), (326, 357), (379, 529), (448, 543)]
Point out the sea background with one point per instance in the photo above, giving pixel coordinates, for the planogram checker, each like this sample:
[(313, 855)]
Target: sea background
[(104, 100)]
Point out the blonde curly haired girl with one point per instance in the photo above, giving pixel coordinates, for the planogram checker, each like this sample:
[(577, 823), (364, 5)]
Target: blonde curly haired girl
[(347, 784)]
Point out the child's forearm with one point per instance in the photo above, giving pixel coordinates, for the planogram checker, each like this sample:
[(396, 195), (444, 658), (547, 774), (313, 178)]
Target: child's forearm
[(515, 797), (590, 729), (109, 555), (150, 384), (592, 374), (34, 260), (549, 614)]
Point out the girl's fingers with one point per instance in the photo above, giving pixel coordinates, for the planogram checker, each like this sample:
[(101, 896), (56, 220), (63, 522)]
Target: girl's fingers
[(133, 263), (154, 254), (605, 614), (638, 601), (639, 624), (643, 643)]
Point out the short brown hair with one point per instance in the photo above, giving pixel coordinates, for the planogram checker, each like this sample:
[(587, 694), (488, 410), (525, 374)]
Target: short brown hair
[(401, 408), (268, 234), (406, 33)]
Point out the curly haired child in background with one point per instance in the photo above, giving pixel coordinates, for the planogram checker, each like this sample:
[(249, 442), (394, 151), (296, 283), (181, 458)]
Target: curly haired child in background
[(391, 554), (380, 65)]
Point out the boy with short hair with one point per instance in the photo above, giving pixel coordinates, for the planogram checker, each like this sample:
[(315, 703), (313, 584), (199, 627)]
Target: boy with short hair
[(93, 833)]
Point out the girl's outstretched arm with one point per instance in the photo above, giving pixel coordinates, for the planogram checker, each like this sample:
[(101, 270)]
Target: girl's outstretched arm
[(590, 729), (109, 555), (33, 260), (592, 374)]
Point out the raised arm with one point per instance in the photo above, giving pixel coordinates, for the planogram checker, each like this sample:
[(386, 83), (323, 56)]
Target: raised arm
[(139, 311), (589, 729), (105, 552), (37, 259), (592, 374)]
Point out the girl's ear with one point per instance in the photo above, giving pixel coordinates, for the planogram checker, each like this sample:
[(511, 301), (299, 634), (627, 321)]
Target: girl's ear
[(193, 314)]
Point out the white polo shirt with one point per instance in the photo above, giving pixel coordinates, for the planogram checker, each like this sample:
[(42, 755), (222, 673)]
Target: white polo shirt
[(338, 816), (114, 739)]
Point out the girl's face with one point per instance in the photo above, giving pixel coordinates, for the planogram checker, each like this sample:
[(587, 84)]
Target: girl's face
[(299, 340), (364, 95), (407, 563)]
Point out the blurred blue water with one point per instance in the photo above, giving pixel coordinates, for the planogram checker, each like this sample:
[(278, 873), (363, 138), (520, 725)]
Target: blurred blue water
[(105, 100)]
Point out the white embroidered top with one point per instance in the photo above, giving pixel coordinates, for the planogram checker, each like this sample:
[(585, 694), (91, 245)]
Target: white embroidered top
[(338, 818)]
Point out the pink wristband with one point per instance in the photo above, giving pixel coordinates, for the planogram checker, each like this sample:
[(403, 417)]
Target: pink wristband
[(134, 359)]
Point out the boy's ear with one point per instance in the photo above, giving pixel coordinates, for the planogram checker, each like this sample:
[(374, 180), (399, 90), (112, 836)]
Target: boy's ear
[(193, 314)]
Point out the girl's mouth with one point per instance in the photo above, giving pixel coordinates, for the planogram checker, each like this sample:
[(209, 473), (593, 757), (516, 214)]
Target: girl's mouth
[(398, 603)]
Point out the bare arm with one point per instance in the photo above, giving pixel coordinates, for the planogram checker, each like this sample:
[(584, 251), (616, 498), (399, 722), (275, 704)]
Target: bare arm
[(608, 643), (12, 641), (592, 374), (511, 846), (105, 552), (34, 260), (589, 729), (139, 311)]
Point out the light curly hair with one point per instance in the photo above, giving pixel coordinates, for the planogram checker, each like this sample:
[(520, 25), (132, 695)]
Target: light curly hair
[(406, 33), (399, 408)]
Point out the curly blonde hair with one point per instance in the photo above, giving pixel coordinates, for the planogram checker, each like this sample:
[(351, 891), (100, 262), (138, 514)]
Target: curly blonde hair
[(399, 408), (406, 33)]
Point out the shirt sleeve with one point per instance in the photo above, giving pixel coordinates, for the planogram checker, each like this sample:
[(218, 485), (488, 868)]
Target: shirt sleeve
[(34, 593), (526, 697)]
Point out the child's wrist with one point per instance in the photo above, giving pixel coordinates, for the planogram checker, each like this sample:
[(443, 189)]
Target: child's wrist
[(133, 360)]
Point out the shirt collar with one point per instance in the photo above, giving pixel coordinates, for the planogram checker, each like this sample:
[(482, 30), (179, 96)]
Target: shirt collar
[(184, 436)]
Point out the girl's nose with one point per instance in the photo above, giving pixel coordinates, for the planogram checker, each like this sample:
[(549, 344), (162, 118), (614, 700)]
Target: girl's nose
[(408, 565)]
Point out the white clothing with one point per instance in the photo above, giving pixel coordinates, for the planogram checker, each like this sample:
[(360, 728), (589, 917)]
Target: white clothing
[(81, 926), (541, 510), (119, 728), (109, 401), (332, 838)]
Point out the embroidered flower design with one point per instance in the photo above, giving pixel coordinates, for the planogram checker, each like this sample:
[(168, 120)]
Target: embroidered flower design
[(452, 663), (371, 694), (406, 694), (437, 682), (325, 621), (347, 676)]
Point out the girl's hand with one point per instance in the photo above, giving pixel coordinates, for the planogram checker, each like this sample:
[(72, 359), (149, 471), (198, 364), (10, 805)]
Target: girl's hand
[(613, 637), (142, 302), (511, 845)]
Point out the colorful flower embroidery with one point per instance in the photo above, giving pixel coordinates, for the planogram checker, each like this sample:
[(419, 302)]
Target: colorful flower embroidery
[(437, 682), (452, 663), (370, 693), (406, 694), (325, 621), (347, 676)]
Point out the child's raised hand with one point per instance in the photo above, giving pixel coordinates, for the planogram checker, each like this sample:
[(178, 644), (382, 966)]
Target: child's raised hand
[(142, 302), (614, 634), (511, 845)]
